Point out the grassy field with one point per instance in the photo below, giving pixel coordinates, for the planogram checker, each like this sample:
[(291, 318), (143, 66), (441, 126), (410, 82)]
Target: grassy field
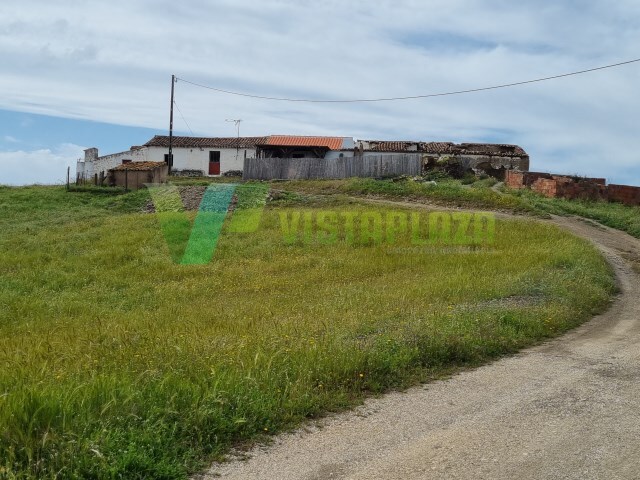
[(474, 193), (117, 363), (446, 191)]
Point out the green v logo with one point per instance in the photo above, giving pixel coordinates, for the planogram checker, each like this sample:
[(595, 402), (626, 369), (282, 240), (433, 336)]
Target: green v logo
[(195, 244)]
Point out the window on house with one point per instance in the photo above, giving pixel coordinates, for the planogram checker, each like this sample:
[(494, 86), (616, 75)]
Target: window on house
[(166, 158), (214, 157)]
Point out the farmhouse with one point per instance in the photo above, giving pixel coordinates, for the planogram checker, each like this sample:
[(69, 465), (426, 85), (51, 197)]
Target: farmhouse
[(196, 156), (191, 156), (204, 155)]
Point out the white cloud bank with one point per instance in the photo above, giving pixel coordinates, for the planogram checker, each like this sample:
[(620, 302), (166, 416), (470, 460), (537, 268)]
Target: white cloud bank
[(112, 62), (39, 166)]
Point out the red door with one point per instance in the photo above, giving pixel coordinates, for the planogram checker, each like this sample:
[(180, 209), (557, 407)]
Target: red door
[(214, 163), (214, 168)]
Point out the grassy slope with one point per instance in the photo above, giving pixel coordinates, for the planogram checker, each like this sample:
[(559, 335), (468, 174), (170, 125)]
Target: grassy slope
[(118, 363), (477, 195), (446, 191), (615, 215)]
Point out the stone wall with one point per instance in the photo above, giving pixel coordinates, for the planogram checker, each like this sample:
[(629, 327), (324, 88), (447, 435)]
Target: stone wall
[(187, 173)]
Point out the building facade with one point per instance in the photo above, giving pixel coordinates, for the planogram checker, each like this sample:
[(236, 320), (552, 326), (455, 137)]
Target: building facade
[(217, 155), (208, 155), (192, 155)]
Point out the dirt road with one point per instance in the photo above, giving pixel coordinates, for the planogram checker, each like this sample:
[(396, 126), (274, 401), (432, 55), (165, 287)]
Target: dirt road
[(568, 409)]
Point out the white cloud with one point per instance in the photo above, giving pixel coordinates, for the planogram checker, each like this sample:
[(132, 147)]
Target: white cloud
[(112, 62), (39, 166)]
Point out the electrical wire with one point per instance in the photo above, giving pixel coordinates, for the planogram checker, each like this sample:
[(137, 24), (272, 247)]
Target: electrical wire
[(412, 97), (184, 119)]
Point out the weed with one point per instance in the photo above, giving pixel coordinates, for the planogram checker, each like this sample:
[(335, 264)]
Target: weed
[(117, 363)]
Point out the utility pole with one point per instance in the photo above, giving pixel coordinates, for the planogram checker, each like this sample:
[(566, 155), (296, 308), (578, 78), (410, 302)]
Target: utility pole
[(237, 122), (170, 158)]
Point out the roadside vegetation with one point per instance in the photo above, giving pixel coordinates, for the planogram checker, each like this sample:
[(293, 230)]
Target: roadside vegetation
[(472, 192), (117, 363), (614, 215)]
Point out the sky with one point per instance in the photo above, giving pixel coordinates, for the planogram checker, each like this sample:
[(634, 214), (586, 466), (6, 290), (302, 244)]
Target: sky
[(83, 73)]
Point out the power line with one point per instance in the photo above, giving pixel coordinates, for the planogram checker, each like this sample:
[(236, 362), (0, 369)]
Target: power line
[(412, 97), (184, 119)]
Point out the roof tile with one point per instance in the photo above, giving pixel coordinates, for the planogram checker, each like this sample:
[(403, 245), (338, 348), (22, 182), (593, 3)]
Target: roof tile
[(205, 142), (332, 143)]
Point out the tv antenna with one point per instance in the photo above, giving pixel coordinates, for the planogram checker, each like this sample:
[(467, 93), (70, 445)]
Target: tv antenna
[(237, 124)]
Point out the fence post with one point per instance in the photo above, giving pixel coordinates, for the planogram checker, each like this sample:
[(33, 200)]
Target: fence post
[(126, 180), (68, 175)]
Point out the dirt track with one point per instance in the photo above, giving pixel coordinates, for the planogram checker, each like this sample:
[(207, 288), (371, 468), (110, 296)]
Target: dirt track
[(568, 409)]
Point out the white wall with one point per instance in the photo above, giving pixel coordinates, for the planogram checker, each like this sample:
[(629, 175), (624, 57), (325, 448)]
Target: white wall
[(183, 159), (88, 169), (198, 159)]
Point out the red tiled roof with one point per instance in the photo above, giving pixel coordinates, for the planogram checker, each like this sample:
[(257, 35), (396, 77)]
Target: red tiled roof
[(205, 142), (139, 166), (332, 143)]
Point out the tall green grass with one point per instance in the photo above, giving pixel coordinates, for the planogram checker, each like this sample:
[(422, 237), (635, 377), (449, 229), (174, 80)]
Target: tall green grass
[(476, 194), (117, 363), (445, 191), (614, 215)]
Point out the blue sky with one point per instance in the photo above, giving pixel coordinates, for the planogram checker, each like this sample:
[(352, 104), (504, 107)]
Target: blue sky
[(38, 148), (33, 132), (84, 74)]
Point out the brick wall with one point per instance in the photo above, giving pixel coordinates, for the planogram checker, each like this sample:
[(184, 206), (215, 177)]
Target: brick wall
[(566, 178), (514, 179), (546, 186), (624, 194), (563, 186)]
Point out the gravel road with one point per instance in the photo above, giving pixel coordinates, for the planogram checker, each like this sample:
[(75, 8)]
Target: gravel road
[(567, 409)]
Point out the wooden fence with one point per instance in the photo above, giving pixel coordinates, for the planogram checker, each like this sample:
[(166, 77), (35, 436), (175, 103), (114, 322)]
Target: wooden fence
[(308, 168)]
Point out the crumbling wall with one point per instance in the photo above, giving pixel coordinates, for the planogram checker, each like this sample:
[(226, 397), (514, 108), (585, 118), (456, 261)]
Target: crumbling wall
[(546, 186), (495, 166), (572, 188), (624, 194), (519, 179)]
